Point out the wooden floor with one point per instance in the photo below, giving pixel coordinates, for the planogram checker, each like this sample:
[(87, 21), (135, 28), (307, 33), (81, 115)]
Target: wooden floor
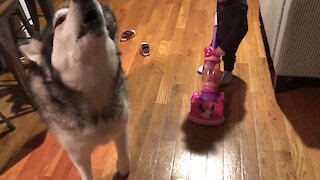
[(265, 136)]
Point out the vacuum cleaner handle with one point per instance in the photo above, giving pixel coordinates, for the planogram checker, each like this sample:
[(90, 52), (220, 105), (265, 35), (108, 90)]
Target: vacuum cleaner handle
[(215, 28)]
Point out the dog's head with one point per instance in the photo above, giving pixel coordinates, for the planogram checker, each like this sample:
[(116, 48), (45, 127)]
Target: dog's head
[(78, 33), (83, 20)]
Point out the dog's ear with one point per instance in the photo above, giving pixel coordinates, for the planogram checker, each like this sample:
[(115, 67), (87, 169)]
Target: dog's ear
[(32, 50)]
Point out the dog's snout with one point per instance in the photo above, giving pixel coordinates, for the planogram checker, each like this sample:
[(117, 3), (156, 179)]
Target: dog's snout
[(91, 17), (88, 10)]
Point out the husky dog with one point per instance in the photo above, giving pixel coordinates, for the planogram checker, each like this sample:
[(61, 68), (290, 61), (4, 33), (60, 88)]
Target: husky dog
[(78, 84)]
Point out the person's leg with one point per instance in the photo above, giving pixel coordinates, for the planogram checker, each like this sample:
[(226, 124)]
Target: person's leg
[(229, 60)]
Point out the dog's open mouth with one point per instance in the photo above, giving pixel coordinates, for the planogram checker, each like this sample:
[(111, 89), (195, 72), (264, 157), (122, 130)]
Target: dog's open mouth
[(92, 22)]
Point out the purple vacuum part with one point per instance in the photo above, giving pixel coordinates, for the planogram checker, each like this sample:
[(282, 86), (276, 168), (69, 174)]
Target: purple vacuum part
[(215, 27), (214, 43), (208, 97)]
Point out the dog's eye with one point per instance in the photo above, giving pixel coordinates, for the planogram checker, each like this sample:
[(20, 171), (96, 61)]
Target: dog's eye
[(60, 21)]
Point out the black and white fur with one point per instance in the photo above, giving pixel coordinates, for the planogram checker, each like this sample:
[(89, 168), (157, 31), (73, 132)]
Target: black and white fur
[(78, 83)]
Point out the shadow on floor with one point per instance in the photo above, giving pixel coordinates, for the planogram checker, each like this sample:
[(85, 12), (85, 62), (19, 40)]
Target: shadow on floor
[(286, 84), (19, 105), (301, 107), (299, 100), (29, 133), (16, 98), (200, 139), (19, 154)]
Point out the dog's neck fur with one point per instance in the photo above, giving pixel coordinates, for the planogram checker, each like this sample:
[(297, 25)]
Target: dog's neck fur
[(91, 72)]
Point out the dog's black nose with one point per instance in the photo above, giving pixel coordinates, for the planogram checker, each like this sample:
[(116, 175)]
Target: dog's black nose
[(85, 4), (82, 1), (88, 10), (90, 16)]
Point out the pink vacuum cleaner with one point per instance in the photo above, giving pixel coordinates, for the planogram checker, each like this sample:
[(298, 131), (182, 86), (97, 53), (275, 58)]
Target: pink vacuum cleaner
[(207, 106)]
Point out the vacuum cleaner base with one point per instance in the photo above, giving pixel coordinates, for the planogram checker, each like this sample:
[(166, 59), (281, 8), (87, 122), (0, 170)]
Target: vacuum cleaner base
[(206, 122), (207, 112)]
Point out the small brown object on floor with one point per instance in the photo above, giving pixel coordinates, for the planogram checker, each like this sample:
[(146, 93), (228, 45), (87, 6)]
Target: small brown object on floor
[(145, 49), (126, 35)]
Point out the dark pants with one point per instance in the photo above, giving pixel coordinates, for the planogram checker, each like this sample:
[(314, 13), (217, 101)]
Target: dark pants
[(229, 59), (232, 27)]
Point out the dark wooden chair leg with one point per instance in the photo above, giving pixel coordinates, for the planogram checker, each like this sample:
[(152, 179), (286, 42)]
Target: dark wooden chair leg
[(47, 9), (31, 30), (9, 53), (31, 5), (9, 124)]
